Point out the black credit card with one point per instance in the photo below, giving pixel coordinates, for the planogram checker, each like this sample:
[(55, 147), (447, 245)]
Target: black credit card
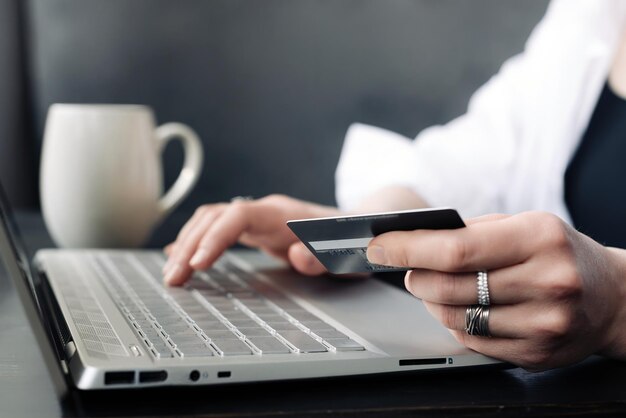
[(340, 243)]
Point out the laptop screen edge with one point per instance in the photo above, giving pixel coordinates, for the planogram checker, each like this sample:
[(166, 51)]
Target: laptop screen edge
[(19, 271)]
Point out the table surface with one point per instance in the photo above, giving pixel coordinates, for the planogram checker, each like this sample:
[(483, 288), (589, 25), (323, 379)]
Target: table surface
[(594, 387)]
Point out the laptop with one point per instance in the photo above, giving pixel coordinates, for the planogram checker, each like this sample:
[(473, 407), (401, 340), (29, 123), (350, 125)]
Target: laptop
[(104, 320)]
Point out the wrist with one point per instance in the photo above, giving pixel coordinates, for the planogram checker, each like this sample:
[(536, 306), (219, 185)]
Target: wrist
[(391, 198), (323, 211), (616, 344)]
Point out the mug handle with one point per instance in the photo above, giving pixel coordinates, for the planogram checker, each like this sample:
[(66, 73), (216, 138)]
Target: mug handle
[(192, 166)]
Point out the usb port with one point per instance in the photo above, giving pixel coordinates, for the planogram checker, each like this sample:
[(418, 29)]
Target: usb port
[(119, 378), (152, 377)]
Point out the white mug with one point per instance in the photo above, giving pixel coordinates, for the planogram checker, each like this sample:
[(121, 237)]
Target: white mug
[(101, 178)]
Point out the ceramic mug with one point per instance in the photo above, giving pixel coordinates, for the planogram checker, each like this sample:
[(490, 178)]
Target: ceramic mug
[(101, 178)]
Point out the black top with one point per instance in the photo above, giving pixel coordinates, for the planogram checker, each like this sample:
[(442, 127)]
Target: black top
[(595, 180)]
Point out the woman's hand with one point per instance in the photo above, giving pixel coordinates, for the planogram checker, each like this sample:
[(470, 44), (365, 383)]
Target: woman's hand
[(557, 296), (256, 223)]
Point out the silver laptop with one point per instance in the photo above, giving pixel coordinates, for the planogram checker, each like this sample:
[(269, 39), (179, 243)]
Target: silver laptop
[(107, 321)]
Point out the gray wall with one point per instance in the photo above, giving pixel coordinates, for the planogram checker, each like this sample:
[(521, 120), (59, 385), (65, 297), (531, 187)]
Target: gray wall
[(272, 85), (17, 162)]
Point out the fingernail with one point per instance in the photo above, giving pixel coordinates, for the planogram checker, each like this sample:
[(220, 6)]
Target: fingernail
[(376, 255), (199, 256), (407, 281), (172, 274)]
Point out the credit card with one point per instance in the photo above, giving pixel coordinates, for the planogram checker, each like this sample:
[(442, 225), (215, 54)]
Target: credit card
[(340, 243)]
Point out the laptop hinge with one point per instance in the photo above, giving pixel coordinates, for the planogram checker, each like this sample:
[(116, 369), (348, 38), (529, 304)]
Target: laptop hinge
[(60, 331)]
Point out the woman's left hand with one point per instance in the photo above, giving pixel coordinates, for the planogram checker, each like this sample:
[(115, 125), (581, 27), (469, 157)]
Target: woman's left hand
[(556, 295)]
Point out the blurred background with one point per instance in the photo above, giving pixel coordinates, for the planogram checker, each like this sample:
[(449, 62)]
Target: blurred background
[(269, 85)]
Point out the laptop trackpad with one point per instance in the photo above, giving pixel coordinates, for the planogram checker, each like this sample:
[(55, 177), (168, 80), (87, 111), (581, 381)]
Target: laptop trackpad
[(387, 317)]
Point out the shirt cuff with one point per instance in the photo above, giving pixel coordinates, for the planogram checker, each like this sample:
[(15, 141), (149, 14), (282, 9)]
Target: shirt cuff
[(371, 159)]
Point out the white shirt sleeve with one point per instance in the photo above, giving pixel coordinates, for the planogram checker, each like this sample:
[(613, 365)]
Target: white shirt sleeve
[(467, 163)]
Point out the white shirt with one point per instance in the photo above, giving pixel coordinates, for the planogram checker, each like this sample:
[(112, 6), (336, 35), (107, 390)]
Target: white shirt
[(509, 152)]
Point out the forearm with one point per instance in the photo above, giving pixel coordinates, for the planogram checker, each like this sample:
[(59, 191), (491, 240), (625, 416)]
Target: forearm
[(391, 198)]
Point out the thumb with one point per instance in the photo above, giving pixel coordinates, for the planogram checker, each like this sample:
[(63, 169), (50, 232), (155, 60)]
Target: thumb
[(302, 260), (487, 218)]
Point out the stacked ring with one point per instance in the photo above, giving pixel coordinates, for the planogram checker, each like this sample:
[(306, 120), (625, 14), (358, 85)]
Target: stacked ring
[(241, 198), (483, 288), (477, 320)]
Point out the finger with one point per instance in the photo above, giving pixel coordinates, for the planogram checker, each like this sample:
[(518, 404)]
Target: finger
[(168, 248), (190, 225), (506, 285), (303, 261), (486, 218), (178, 267), (505, 349), (524, 353), (482, 245), (177, 274), (269, 243), (505, 321), (224, 233), (183, 235)]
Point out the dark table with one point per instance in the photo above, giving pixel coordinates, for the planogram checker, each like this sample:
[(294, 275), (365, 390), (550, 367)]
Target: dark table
[(595, 387)]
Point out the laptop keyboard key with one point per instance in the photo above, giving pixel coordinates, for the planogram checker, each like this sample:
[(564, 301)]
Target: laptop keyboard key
[(193, 347), (197, 311), (245, 323), (259, 307), (189, 354), (329, 333), (186, 340), (182, 334), (246, 295), (151, 333), (272, 317), (345, 344), (160, 345), (303, 342), (269, 345), (235, 315), (177, 328), (284, 326), (232, 347), (316, 325), (171, 321), (220, 334), (211, 325), (255, 332), (302, 315), (165, 354)]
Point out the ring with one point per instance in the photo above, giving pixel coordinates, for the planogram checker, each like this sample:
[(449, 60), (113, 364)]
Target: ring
[(483, 288), (477, 320), (241, 198)]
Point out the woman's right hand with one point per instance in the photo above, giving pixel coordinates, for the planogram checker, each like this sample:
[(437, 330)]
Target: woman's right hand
[(256, 223)]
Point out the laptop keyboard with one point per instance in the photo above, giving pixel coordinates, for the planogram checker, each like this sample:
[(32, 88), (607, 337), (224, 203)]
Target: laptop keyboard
[(224, 311)]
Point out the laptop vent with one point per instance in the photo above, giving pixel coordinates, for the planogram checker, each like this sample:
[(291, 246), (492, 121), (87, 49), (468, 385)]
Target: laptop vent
[(60, 326), (94, 328)]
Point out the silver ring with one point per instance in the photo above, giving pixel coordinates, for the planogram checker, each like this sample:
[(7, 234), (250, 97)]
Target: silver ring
[(241, 198), (482, 281), (477, 320)]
